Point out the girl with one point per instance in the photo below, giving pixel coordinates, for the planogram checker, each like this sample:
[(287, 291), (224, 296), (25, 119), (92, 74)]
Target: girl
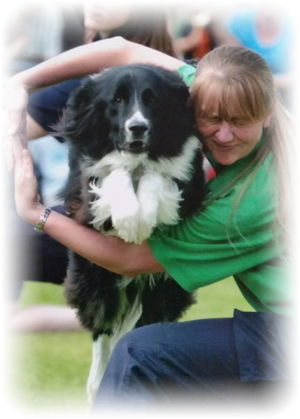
[(240, 232)]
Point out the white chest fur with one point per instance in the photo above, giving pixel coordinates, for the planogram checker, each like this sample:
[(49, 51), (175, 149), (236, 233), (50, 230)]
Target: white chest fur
[(138, 193)]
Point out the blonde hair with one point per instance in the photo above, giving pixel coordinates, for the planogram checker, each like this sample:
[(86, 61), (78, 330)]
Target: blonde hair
[(243, 76)]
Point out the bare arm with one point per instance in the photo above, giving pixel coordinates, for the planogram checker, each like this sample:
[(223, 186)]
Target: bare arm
[(107, 251), (92, 58), (34, 130)]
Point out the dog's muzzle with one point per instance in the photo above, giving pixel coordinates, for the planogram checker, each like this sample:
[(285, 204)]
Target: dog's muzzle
[(136, 139)]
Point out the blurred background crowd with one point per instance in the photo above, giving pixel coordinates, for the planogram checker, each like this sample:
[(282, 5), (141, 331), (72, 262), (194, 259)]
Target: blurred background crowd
[(36, 31)]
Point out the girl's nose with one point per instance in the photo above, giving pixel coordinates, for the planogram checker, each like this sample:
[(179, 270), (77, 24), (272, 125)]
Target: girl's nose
[(224, 132)]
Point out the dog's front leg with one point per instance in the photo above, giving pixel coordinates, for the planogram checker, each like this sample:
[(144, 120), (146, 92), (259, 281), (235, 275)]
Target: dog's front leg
[(118, 191), (148, 196), (159, 200)]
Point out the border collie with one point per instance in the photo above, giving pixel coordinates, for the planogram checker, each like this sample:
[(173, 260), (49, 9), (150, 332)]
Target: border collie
[(134, 166)]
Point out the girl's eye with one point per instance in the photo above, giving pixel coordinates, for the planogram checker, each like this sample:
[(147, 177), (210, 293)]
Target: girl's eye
[(214, 120), (239, 122), (210, 120)]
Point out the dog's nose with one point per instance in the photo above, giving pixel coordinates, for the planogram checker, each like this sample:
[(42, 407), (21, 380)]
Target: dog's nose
[(138, 130)]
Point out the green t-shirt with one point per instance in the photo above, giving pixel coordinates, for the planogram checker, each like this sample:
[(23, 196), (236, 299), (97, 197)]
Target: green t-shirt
[(223, 240)]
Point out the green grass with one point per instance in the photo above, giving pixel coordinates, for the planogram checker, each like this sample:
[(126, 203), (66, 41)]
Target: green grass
[(50, 369)]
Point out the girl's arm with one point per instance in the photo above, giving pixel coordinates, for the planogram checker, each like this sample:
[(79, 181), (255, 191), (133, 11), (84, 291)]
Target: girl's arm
[(92, 58), (107, 251)]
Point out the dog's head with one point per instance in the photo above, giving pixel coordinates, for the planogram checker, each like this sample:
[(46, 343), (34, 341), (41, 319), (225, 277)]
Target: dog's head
[(134, 109)]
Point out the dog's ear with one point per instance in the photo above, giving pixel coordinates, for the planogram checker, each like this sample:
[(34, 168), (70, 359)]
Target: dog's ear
[(77, 122), (77, 114), (174, 83), (178, 104), (181, 93), (181, 104)]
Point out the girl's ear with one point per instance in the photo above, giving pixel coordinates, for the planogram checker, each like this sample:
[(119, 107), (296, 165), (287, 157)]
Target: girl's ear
[(269, 115)]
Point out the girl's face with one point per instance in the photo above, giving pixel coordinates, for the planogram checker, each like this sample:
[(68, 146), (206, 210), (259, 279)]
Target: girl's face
[(232, 138), (229, 141), (103, 16)]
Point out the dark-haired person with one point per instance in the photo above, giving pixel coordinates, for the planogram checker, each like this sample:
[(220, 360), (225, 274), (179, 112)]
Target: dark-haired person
[(41, 258)]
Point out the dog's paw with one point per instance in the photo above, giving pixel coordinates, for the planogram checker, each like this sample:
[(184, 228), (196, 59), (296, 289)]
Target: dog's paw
[(147, 223), (100, 211), (99, 207), (126, 222), (143, 233)]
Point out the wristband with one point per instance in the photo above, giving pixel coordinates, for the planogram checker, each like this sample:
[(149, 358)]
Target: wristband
[(40, 225)]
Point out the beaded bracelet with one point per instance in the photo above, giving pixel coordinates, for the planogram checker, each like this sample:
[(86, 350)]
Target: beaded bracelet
[(40, 225)]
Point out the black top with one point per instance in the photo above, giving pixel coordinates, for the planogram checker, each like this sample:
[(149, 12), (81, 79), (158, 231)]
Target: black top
[(46, 105)]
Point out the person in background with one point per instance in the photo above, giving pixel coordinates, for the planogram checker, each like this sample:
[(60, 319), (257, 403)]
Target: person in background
[(41, 258), (32, 35), (13, 40), (269, 32), (243, 230), (199, 27), (191, 30)]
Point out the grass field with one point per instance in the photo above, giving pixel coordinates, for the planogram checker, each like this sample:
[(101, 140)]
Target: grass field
[(50, 369)]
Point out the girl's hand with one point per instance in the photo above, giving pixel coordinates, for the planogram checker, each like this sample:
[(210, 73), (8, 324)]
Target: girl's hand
[(26, 191), (15, 119)]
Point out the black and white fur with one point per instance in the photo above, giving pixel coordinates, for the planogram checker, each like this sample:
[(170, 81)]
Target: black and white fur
[(134, 167)]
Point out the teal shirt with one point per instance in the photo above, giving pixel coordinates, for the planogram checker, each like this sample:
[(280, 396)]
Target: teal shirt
[(222, 241)]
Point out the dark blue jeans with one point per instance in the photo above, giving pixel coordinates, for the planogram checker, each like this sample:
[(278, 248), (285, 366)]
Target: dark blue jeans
[(198, 360)]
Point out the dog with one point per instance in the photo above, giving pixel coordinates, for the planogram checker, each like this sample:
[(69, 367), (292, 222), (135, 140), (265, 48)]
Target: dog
[(135, 166)]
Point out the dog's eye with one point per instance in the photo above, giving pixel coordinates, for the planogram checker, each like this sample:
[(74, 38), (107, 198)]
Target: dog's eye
[(150, 101), (118, 100), (148, 97)]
